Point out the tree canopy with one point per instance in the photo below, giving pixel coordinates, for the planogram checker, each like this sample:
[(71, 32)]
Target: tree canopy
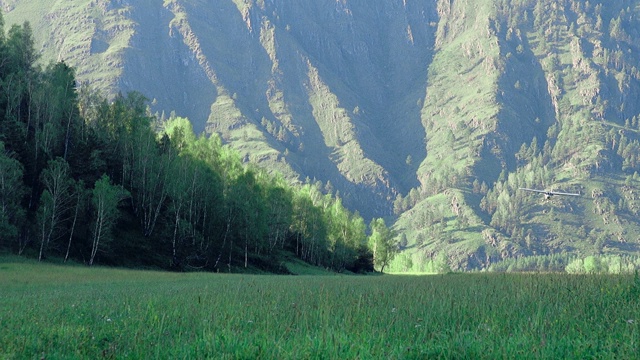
[(105, 181)]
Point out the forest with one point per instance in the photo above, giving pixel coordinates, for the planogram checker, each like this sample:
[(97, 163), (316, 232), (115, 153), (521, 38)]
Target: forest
[(105, 181), (430, 114)]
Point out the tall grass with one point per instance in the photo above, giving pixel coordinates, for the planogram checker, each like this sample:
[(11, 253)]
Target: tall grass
[(54, 312)]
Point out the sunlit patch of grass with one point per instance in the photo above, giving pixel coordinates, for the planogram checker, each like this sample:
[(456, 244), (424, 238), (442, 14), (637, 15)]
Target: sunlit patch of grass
[(54, 312)]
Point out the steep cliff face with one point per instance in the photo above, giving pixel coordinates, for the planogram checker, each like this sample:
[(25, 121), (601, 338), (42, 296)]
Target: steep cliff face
[(314, 89), (438, 110), (326, 90)]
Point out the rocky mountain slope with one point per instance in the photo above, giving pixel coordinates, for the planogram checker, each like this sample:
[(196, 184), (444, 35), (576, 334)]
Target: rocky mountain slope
[(430, 112)]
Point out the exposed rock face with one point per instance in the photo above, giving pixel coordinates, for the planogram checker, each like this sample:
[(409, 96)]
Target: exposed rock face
[(319, 89), (430, 99), (330, 90)]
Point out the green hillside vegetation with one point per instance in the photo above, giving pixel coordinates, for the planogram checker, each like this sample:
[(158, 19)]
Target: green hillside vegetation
[(80, 312), (242, 71), (94, 31), (106, 182), (563, 123), (429, 114)]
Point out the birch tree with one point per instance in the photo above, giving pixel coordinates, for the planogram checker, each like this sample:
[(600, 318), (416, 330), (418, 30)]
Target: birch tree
[(179, 191), (79, 201), (105, 199), (382, 243), (149, 176), (252, 221), (279, 204), (11, 192), (194, 190), (55, 202)]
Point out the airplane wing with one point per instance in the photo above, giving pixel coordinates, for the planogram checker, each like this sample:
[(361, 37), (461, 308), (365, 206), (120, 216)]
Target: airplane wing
[(550, 193), (563, 193), (534, 190)]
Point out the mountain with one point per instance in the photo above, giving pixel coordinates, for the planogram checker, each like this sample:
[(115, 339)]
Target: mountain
[(430, 112)]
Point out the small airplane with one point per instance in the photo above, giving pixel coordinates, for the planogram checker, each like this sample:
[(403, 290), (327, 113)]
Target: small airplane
[(549, 194)]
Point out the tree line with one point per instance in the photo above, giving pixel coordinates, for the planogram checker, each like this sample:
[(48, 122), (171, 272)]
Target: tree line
[(105, 181)]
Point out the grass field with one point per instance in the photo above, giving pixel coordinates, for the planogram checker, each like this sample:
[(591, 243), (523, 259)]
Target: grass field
[(51, 312)]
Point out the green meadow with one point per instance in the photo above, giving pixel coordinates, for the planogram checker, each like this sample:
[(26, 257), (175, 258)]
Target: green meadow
[(52, 311)]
